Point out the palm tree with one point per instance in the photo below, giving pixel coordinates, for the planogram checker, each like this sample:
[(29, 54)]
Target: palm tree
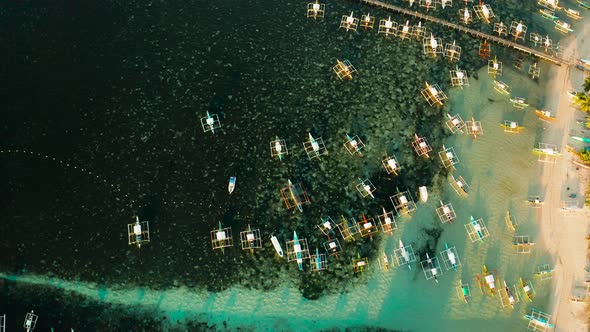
[(582, 100), (586, 85)]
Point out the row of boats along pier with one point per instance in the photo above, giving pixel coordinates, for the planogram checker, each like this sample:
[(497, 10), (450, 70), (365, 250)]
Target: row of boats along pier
[(349, 229)]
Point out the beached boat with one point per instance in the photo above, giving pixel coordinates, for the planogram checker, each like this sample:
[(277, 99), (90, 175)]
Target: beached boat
[(232, 184), (583, 64), (546, 151), (563, 26), (423, 194), (545, 115), (573, 13), (548, 14), (277, 246), (527, 289), (583, 4), (581, 139)]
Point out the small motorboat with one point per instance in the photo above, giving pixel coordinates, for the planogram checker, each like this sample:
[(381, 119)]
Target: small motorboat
[(423, 194), (277, 246), (232, 184)]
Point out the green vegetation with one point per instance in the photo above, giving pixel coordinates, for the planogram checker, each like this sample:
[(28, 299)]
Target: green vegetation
[(585, 155), (582, 99)]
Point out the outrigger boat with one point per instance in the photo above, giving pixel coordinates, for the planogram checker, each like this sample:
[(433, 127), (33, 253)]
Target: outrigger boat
[(384, 262), (446, 213), (527, 289), (539, 321), (519, 102), (210, 123), (452, 259), (299, 205), (318, 260), (511, 127), (545, 115), (581, 139), (423, 194), (431, 270), (455, 123), (583, 64), (405, 254), (573, 13), (488, 281), (563, 26), (463, 291), (276, 148), (277, 246), (546, 151), (509, 221), (297, 248), (477, 228), (232, 184), (583, 4), (354, 145), (30, 321), (501, 87), (509, 295), (548, 14)]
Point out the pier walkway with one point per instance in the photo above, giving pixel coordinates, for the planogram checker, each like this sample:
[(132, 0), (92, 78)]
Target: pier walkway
[(553, 59)]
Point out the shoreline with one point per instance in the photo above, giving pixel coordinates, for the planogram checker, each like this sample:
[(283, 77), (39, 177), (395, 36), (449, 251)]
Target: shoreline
[(564, 232)]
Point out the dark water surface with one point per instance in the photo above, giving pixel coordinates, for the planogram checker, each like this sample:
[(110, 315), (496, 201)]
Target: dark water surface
[(101, 104)]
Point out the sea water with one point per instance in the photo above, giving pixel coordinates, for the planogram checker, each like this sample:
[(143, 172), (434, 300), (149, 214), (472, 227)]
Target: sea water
[(78, 171)]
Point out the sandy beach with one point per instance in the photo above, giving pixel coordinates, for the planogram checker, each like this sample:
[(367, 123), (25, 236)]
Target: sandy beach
[(564, 232)]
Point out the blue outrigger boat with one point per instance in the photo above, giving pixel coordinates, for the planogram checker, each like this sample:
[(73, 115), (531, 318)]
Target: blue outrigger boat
[(318, 260), (451, 256), (232, 184), (477, 228), (297, 248)]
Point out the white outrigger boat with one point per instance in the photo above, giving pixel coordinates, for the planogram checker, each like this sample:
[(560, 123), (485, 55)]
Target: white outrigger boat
[(431, 268), (405, 254), (30, 321), (423, 194), (277, 246), (232, 184)]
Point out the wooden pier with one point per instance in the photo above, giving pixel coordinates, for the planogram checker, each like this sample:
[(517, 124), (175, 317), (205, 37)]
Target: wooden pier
[(553, 59)]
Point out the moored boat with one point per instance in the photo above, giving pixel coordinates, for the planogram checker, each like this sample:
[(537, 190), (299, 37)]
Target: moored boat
[(423, 194), (297, 248), (232, 184), (581, 139), (277, 246), (573, 13), (548, 14), (563, 26), (545, 115), (584, 4)]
